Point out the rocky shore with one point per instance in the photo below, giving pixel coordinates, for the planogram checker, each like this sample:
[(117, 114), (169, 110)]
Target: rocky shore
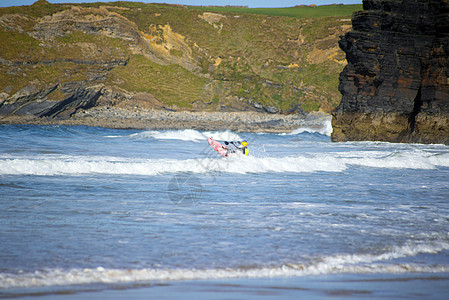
[(395, 87), (159, 119)]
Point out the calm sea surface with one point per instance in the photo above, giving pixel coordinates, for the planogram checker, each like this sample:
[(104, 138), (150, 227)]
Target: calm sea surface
[(84, 210)]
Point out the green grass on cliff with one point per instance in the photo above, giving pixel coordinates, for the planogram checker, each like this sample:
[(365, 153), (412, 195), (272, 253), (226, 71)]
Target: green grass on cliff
[(38, 10), (257, 46), (295, 12), (18, 46), (277, 57), (171, 84), (41, 75)]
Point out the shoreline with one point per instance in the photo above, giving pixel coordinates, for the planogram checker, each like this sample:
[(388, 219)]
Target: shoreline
[(325, 286), (119, 118)]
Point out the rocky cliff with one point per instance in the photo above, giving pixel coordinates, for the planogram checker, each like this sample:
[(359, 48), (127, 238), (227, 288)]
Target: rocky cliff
[(396, 85), (57, 60)]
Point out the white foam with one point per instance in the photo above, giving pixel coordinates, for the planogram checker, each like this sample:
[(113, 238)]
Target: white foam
[(398, 160), (339, 264), (325, 128), (407, 250), (74, 165), (440, 159), (91, 165), (187, 135), (328, 162)]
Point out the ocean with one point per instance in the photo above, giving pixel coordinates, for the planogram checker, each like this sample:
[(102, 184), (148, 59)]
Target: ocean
[(95, 213)]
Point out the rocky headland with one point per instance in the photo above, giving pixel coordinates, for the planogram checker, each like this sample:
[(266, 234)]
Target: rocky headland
[(395, 87), (139, 65)]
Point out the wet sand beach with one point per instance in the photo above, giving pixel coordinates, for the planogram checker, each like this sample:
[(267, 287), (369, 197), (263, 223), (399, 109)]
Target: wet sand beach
[(343, 286)]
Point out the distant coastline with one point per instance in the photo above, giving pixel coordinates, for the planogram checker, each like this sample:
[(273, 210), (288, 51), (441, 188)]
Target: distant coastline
[(58, 59)]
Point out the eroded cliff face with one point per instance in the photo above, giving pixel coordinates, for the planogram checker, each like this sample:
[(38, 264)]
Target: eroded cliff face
[(395, 87), (57, 42), (59, 60)]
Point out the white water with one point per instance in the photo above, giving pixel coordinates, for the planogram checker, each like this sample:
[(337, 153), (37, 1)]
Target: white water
[(98, 206), (187, 135), (331, 162), (324, 129), (339, 264)]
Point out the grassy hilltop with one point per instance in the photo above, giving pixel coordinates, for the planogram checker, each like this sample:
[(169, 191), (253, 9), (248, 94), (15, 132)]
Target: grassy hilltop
[(172, 56)]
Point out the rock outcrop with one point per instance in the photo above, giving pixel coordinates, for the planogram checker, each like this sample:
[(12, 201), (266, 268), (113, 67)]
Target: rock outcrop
[(57, 60), (395, 87), (32, 102)]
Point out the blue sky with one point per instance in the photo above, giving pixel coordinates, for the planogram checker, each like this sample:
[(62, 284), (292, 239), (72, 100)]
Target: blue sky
[(250, 3)]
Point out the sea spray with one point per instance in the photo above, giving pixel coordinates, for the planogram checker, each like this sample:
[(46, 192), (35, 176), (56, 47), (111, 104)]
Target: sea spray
[(187, 135)]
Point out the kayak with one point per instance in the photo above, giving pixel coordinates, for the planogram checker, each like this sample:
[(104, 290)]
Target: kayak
[(220, 148)]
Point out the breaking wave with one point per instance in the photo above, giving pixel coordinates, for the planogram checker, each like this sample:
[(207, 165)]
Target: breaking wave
[(337, 264), (187, 135), (330, 162), (72, 165), (325, 128)]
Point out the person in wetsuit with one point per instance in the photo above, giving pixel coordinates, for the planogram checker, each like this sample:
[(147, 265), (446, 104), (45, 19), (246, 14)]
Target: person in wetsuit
[(236, 147)]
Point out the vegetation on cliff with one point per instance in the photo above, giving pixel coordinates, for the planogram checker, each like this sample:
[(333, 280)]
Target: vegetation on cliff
[(131, 55)]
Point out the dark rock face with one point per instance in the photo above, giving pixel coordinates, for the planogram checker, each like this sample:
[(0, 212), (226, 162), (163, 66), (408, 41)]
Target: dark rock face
[(32, 102), (396, 85)]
